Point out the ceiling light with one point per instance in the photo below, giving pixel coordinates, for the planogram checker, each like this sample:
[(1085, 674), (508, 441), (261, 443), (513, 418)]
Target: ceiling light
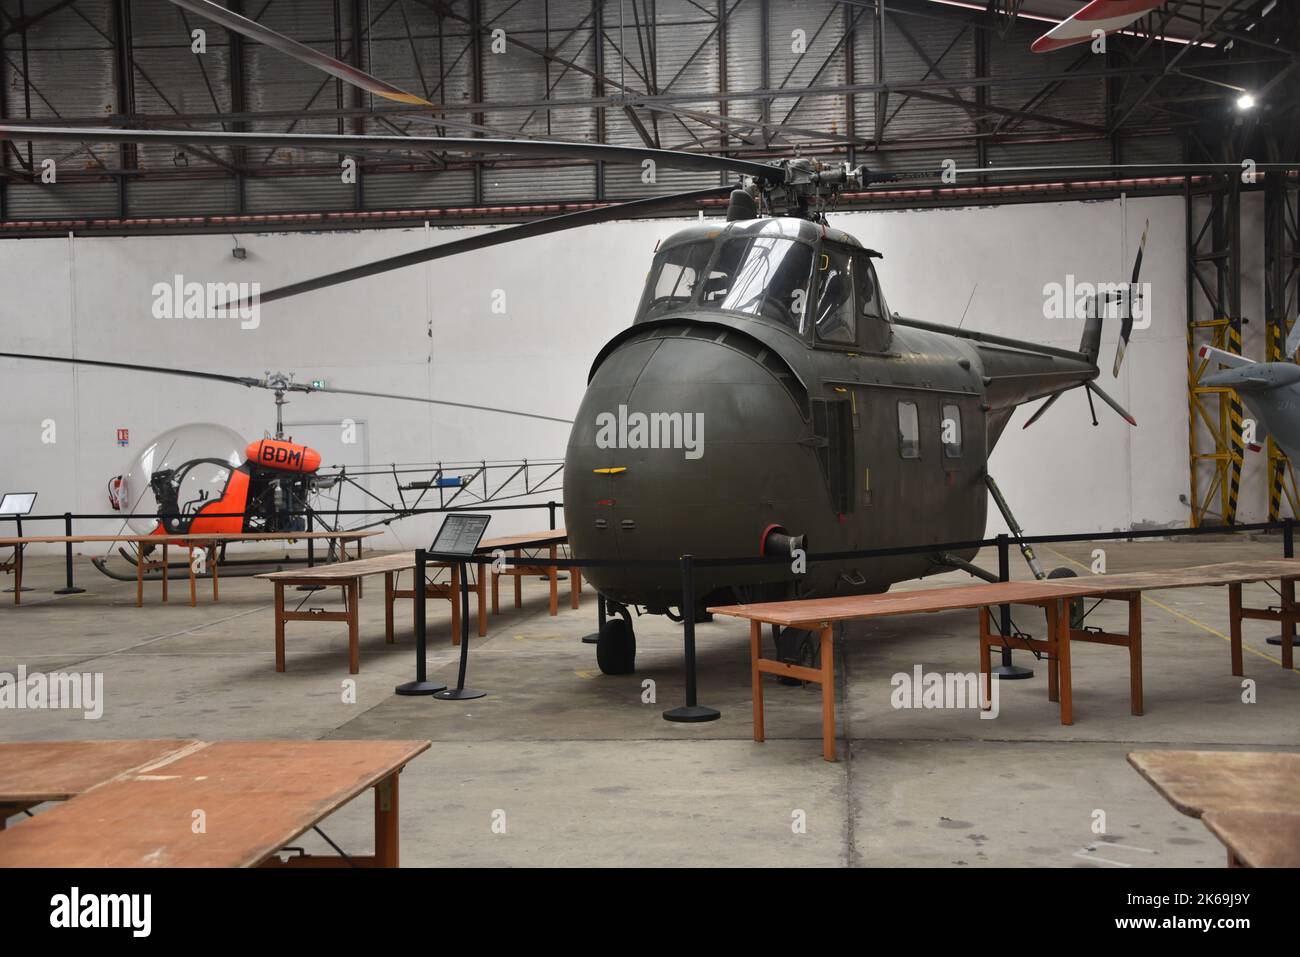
[(1245, 101)]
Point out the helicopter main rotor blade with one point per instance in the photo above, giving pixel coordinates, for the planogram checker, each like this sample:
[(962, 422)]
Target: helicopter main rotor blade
[(455, 405), (507, 234), (255, 383), (133, 367), (343, 142), (300, 51)]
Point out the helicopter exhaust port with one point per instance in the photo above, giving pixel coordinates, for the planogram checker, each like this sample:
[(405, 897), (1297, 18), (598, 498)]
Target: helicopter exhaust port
[(779, 543)]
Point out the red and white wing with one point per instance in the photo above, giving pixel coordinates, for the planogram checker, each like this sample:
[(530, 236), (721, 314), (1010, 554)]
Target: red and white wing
[(1105, 15)]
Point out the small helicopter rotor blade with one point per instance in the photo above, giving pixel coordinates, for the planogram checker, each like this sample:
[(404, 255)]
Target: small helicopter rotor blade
[(1126, 326), (344, 142), (455, 405), (188, 373), (299, 51), (507, 234), (1097, 391), (1044, 407)]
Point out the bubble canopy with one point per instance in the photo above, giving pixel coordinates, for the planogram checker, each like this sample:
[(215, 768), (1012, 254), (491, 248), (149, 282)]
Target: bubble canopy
[(193, 461)]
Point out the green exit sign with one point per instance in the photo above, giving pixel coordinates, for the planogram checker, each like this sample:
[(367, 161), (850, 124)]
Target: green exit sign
[(318, 383)]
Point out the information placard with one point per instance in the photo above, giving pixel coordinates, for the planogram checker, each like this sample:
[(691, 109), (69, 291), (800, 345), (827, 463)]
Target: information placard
[(459, 535)]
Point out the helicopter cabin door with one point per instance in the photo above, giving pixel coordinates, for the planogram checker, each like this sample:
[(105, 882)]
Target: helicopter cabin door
[(850, 312)]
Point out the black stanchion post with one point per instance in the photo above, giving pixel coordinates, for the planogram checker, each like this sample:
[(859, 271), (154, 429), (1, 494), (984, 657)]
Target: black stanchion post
[(550, 507), (600, 621), (692, 711), (1008, 670), (1288, 551), (69, 588), (460, 692), (420, 685)]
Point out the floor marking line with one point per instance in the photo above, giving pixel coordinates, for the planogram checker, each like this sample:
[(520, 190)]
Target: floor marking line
[(1178, 614), (1083, 854)]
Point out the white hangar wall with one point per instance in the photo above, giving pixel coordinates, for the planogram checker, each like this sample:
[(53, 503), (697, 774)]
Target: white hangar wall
[(431, 331)]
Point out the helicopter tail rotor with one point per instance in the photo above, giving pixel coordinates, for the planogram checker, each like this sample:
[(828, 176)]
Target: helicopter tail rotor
[(1126, 327)]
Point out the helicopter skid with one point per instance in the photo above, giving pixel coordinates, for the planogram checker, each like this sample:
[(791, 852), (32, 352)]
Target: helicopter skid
[(178, 571)]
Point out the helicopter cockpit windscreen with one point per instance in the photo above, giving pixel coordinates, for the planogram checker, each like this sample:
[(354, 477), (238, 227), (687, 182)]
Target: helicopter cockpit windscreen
[(673, 277), (179, 472), (764, 276)]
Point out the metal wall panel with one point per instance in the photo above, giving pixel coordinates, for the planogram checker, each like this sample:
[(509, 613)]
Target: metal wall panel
[(299, 194), (181, 196), (36, 201), (419, 190)]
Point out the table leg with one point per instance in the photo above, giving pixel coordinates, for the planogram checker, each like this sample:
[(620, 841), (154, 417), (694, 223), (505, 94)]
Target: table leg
[(1053, 657), (354, 627), (164, 573), (194, 585), (455, 604), (1135, 651), (139, 577), (1060, 625), (386, 833), (388, 607), (481, 588), (213, 554), (279, 626), (496, 591), (575, 587), (1288, 623), (519, 582), (986, 661), (554, 575), (756, 677), (828, 693), (1234, 625)]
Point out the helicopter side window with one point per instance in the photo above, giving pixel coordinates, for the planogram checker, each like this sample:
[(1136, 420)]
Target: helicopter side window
[(909, 431), (765, 277), (673, 277), (836, 320), (951, 431)]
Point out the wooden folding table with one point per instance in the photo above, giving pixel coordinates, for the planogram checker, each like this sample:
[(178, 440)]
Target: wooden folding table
[(225, 804)]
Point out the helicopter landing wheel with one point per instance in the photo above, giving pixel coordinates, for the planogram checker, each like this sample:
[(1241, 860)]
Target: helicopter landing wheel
[(1075, 604), (616, 646), (797, 647)]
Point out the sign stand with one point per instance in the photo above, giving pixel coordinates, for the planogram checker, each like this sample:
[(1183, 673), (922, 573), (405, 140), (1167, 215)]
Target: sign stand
[(460, 692), (15, 505), (421, 685)]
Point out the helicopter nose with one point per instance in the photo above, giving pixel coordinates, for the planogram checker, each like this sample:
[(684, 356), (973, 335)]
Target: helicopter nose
[(685, 443)]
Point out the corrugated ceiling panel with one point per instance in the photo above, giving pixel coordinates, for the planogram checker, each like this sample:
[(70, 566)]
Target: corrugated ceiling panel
[(563, 27), (1078, 101), (817, 26), (744, 66), (70, 63), (925, 49)]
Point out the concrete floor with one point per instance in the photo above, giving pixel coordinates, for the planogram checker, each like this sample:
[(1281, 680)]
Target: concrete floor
[(582, 770)]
